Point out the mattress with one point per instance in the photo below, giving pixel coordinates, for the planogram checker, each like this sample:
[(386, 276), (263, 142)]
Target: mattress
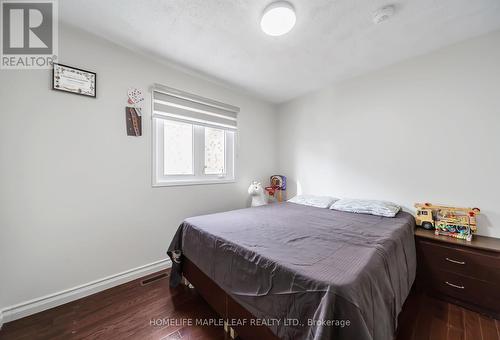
[(309, 273)]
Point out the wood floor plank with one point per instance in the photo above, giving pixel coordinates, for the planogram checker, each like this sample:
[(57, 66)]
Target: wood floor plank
[(407, 317), (455, 323), (488, 328), (423, 326), (455, 317), (455, 334), (439, 329), (471, 325), (439, 320)]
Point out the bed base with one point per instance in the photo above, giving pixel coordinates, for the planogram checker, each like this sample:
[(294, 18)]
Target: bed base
[(224, 304), (227, 307)]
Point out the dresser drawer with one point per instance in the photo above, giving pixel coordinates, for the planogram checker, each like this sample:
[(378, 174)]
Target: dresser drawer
[(476, 292), (459, 260)]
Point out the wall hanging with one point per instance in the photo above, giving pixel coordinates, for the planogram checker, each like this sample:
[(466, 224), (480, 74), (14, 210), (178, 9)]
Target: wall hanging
[(133, 113), (74, 80)]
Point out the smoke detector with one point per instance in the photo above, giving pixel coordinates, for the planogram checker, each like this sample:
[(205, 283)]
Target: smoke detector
[(383, 14)]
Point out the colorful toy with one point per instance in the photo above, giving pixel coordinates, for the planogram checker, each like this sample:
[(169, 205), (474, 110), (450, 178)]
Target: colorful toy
[(278, 186), (450, 221)]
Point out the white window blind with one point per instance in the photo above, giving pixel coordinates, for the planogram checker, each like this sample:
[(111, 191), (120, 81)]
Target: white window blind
[(169, 103)]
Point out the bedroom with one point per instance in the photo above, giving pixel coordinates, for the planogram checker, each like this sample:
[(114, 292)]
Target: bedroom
[(369, 100)]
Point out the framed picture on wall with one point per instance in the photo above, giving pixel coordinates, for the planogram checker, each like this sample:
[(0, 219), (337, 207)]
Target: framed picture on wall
[(74, 80)]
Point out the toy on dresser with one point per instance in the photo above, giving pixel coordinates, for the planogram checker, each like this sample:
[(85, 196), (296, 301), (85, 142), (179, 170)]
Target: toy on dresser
[(450, 221)]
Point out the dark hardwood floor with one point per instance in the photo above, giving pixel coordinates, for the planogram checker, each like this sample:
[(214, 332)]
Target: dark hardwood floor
[(128, 311), (155, 311), (427, 318)]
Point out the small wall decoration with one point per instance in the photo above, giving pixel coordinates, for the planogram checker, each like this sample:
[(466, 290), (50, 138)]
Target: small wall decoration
[(74, 80), (134, 122), (135, 96), (133, 114)]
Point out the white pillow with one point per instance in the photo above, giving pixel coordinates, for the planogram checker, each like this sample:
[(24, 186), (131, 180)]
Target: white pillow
[(373, 207), (313, 200)]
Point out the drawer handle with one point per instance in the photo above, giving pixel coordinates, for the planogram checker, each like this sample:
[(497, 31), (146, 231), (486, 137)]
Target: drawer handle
[(455, 261), (454, 286)]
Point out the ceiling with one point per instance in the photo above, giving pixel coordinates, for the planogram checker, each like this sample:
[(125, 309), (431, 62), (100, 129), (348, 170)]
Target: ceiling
[(332, 40)]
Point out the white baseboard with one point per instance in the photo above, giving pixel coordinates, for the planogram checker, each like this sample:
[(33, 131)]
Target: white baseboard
[(56, 299)]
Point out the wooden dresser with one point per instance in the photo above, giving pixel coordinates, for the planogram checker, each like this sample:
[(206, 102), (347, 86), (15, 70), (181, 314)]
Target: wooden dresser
[(464, 273)]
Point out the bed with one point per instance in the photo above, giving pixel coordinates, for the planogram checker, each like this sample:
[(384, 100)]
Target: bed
[(301, 272)]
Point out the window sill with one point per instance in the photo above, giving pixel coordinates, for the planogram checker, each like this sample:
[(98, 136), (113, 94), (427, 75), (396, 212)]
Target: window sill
[(192, 182)]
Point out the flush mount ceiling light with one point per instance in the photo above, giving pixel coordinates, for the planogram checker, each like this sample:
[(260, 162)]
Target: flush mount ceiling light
[(278, 18)]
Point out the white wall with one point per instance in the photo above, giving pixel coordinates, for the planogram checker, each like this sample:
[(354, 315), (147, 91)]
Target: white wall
[(76, 202), (427, 129)]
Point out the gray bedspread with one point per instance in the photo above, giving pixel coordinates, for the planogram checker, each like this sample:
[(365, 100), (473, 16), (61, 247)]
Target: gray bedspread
[(288, 262)]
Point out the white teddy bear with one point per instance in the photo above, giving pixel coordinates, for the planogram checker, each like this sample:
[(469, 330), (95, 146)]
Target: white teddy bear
[(256, 191)]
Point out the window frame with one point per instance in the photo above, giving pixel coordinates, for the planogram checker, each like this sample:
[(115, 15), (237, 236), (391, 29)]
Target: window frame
[(159, 179)]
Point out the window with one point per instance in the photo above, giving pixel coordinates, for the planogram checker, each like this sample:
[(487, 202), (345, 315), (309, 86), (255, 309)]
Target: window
[(193, 139)]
